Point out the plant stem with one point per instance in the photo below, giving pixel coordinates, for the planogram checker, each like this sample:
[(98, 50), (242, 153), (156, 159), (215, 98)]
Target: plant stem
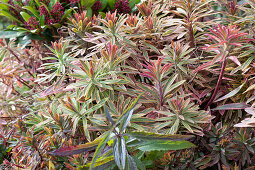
[(191, 36), (191, 31), (160, 94), (16, 56), (218, 83), (23, 82)]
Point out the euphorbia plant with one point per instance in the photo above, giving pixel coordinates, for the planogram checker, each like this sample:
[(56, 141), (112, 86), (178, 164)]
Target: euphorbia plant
[(225, 39), (161, 86), (119, 143), (94, 73)]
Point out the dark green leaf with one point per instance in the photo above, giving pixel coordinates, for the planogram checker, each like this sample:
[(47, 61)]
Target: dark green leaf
[(99, 149), (108, 115), (116, 152), (131, 163), (232, 93), (29, 8), (123, 152), (165, 145), (154, 136)]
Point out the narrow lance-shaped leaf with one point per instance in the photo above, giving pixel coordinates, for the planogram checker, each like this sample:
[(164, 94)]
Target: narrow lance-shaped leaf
[(85, 128), (232, 106), (125, 112), (152, 47), (77, 149), (108, 115), (96, 107), (154, 136), (164, 145), (126, 120), (99, 149), (67, 12), (123, 152), (101, 163), (7, 14), (75, 123), (34, 11), (176, 85), (250, 88), (116, 152), (175, 127), (131, 163), (232, 93)]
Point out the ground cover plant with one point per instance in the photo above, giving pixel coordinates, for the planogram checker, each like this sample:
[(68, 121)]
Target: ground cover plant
[(127, 84)]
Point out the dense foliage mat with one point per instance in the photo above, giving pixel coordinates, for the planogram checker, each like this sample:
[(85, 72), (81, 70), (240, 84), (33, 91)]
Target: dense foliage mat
[(127, 84)]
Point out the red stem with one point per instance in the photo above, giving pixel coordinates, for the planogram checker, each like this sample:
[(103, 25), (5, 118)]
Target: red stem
[(23, 82), (191, 36), (218, 84), (160, 93)]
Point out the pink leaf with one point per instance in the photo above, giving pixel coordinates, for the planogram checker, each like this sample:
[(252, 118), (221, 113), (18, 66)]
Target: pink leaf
[(235, 60)]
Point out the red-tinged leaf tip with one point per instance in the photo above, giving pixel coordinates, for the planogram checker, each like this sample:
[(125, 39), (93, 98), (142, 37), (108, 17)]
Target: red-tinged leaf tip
[(73, 150), (235, 60), (203, 66), (226, 35)]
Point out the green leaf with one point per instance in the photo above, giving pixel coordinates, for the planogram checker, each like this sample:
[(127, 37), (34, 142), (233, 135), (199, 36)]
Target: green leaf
[(116, 152), (29, 8), (108, 115), (161, 145), (89, 12), (126, 111), (232, 106), (101, 163), (75, 123), (187, 126), (133, 2), (94, 108), (111, 4), (4, 4), (99, 149), (131, 163), (53, 2), (175, 127), (152, 47), (87, 3), (85, 128), (232, 93), (174, 86), (2, 55), (104, 4), (249, 88), (25, 16), (155, 136), (67, 12), (102, 14), (126, 120), (247, 63), (123, 152), (139, 164), (8, 15), (37, 2)]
